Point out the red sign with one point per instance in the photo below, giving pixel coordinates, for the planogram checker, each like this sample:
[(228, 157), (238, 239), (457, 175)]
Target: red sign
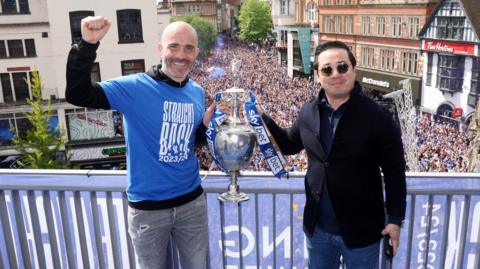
[(457, 112), (449, 47)]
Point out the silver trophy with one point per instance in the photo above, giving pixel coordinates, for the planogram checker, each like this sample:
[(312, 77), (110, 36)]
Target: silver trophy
[(235, 141)]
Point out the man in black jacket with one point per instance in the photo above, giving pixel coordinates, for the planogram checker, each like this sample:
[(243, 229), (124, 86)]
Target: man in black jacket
[(349, 141)]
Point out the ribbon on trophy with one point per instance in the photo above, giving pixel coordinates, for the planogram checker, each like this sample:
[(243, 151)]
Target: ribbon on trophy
[(218, 118), (274, 158)]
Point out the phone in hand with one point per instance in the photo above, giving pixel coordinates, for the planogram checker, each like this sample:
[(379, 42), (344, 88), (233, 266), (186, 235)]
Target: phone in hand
[(387, 247)]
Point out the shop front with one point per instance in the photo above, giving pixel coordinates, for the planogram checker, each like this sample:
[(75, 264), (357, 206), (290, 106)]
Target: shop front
[(378, 83)]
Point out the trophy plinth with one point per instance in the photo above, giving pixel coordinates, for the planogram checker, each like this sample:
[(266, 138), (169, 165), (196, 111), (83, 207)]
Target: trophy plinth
[(235, 143)]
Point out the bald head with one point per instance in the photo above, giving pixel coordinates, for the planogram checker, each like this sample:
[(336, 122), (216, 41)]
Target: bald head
[(179, 49), (179, 28)]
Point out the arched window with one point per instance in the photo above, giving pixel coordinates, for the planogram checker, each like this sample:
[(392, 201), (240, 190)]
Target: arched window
[(311, 12)]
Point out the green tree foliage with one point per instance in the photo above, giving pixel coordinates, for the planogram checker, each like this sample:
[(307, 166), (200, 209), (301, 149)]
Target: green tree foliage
[(40, 145), (205, 30), (255, 21)]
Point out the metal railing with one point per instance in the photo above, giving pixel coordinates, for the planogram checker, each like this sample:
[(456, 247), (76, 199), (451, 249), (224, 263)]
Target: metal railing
[(75, 219)]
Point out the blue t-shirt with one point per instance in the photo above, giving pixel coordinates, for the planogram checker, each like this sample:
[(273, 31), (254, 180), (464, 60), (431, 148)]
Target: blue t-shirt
[(159, 127)]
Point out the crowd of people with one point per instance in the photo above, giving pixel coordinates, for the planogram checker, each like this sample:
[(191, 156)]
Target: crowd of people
[(278, 95), (442, 145)]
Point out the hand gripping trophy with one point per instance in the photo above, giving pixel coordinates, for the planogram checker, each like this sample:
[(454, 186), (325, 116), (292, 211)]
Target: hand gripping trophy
[(232, 140)]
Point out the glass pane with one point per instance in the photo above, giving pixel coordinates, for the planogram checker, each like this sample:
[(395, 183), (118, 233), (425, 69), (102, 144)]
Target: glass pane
[(9, 6), (24, 6), (129, 25), (6, 88), (15, 48), (75, 18), (53, 125), (20, 86), (133, 67), (3, 49), (30, 47), (5, 133), (23, 126)]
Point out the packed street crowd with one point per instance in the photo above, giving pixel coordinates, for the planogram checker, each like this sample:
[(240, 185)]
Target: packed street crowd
[(442, 145)]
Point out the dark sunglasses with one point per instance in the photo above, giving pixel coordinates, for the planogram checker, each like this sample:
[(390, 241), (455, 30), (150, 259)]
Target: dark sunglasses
[(342, 68)]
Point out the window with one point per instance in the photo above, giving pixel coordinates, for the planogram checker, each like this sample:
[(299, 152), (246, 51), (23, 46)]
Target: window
[(75, 28), (30, 47), (311, 12), (450, 27), (193, 8), (475, 86), (3, 49), (133, 67), (129, 26), (428, 81), (84, 124), (332, 24), (413, 26), (20, 86), (14, 6), (349, 25), (9, 6), (16, 86), (284, 7), (368, 57), (15, 48), (23, 6), (6, 135), (365, 25), (95, 74), (397, 26), (381, 27), (6, 88), (387, 59), (450, 73), (409, 63)]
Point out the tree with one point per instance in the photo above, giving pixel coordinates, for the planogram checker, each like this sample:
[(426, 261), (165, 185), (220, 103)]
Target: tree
[(205, 30), (40, 146), (255, 21)]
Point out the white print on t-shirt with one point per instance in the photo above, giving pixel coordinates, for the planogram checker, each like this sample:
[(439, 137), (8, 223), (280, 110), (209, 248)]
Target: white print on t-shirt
[(178, 120)]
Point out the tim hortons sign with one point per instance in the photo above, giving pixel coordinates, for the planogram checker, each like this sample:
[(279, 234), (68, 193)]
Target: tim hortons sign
[(449, 47)]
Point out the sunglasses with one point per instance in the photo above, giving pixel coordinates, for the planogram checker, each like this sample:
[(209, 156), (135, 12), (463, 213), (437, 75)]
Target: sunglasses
[(342, 68)]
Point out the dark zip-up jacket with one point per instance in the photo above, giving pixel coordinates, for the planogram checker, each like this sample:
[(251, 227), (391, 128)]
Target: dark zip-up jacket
[(366, 143)]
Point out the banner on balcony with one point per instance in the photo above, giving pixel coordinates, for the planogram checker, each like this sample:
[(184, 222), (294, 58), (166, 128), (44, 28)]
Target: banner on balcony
[(265, 231), (304, 37)]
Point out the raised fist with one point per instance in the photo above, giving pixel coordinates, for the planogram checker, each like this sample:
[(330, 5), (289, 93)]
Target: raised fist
[(94, 28)]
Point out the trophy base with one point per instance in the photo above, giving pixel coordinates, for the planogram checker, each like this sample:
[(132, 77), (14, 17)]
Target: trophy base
[(233, 197)]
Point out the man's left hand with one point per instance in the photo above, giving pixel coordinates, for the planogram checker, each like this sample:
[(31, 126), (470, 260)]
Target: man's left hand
[(393, 231), (209, 114)]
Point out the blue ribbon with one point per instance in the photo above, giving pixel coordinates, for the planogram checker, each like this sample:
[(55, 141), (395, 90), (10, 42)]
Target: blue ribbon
[(217, 119), (274, 157)]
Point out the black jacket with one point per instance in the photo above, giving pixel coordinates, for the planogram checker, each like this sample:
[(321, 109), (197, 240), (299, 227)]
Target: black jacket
[(366, 140)]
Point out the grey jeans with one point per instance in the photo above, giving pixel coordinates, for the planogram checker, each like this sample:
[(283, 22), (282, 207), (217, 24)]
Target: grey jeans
[(150, 231)]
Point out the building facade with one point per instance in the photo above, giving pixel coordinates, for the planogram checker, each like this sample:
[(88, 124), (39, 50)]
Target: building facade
[(296, 31), (383, 35), (205, 9), (450, 44), (37, 35)]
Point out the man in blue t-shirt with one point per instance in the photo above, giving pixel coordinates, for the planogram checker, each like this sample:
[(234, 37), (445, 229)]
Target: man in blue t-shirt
[(164, 117)]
